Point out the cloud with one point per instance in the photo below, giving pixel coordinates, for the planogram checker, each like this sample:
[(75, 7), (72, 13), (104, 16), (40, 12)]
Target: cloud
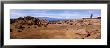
[(15, 13)]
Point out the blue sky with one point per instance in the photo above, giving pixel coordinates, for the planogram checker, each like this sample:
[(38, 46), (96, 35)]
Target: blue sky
[(55, 13)]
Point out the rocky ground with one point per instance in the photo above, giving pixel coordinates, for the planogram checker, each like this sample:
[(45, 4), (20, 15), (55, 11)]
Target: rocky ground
[(34, 28)]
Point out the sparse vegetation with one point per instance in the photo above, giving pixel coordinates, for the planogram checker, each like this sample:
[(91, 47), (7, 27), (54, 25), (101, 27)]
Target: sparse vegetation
[(35, 28)]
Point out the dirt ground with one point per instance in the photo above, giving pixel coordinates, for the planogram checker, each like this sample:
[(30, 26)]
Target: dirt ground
[(57, 31)]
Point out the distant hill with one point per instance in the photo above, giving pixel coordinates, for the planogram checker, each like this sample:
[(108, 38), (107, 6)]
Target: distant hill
[(50, 19), (42, 18)]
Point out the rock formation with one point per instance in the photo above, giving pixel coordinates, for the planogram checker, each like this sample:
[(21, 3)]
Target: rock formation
[(29, 21)]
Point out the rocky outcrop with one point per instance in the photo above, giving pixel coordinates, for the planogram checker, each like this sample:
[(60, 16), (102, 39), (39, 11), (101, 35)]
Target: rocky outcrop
[(29, 21)]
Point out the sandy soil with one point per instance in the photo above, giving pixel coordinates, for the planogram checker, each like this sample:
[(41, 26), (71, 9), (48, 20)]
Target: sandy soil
[(58, 31)]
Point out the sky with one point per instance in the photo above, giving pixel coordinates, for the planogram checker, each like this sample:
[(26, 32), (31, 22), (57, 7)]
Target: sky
[(55, 13)]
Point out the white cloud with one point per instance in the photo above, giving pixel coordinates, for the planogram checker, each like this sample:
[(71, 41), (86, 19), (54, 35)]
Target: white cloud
[(63, 15)]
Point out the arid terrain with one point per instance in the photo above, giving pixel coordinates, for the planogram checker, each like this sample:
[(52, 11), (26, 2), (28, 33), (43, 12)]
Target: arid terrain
[(37, 28)]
